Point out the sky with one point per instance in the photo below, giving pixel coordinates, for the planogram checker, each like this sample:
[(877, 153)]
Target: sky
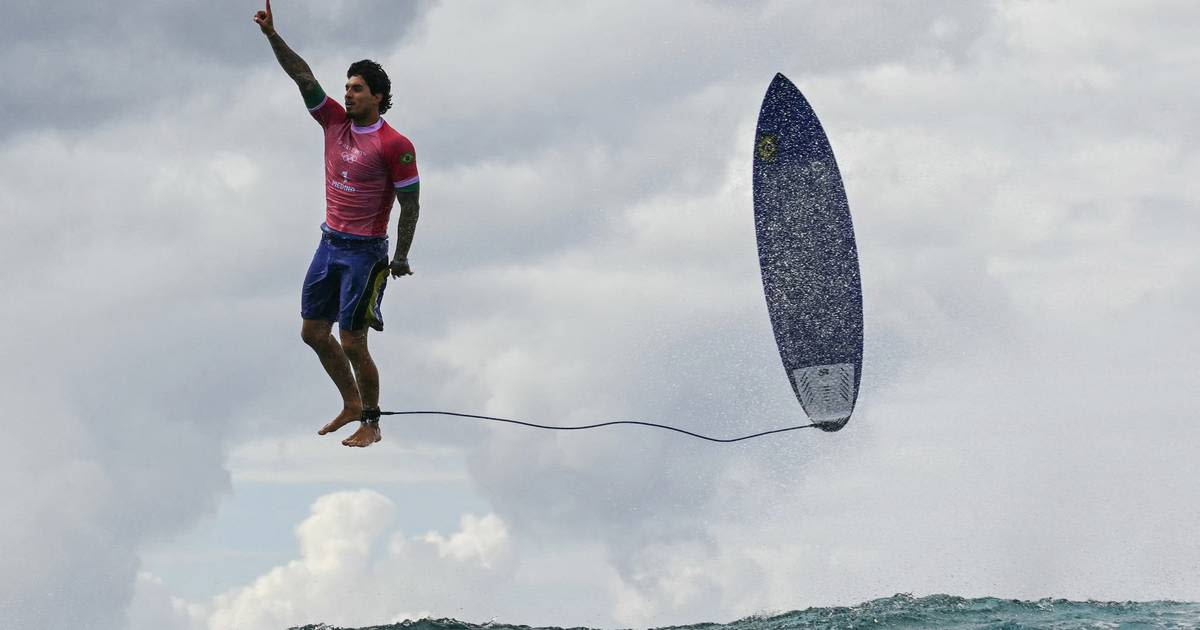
[(1023, 181)]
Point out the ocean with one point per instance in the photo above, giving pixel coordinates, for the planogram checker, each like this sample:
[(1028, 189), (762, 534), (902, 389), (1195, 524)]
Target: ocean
[(906, 611)]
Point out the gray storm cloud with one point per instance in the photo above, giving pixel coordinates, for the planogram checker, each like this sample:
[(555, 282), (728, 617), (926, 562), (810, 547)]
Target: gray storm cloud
[(74, 65)]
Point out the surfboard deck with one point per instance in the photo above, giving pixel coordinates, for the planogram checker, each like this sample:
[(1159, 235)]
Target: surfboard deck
[(808, 256)]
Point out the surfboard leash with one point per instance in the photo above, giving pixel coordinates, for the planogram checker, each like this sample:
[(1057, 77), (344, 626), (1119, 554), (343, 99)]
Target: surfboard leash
[(595, 426)]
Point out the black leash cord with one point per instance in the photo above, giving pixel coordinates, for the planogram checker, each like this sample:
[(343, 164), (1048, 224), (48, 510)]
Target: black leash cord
[(592, 426)]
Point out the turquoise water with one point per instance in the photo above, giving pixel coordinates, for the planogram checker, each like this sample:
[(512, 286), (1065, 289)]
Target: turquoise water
[(934, 611)]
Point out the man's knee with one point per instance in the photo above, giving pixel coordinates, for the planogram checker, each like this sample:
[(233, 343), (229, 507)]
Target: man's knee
[(315, 333), (354, 342)]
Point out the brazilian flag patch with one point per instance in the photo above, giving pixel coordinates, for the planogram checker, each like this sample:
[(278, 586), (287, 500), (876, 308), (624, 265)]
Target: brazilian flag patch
[(407, 158)]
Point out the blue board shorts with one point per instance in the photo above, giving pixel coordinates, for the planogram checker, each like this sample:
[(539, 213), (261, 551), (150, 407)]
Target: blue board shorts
[(345, 281)]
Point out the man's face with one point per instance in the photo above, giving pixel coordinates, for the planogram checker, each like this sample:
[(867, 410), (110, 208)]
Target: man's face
[(359, 100)]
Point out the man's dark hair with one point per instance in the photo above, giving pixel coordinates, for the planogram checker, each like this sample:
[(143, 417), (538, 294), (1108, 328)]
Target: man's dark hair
[(376, 79)]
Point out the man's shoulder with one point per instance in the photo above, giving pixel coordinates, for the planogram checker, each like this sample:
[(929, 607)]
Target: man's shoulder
[(396, 144), (329, 112), (389, 135)]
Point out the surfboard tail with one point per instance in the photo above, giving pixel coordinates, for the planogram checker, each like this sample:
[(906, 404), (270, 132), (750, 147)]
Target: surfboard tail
[(826, 391)]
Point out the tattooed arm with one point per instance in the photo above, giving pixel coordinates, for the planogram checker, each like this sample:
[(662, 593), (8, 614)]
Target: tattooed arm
[(292, 64), (410, 210)]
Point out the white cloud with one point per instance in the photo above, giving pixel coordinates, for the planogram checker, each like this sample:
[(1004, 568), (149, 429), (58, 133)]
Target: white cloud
[(355, 569), (155, 608), (483, 540), (273, 460)]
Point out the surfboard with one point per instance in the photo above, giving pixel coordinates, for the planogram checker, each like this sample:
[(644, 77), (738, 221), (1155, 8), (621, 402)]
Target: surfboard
[(808, 257)]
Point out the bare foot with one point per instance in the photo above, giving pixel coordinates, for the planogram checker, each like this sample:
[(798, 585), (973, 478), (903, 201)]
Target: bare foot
[(349, 414), (366, 435)]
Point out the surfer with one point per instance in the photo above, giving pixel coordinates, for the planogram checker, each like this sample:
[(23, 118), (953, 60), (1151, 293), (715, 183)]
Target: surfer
[(366, 163)]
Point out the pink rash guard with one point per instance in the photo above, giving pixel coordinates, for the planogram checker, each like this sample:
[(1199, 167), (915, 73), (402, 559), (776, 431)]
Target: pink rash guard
[(364, 166)]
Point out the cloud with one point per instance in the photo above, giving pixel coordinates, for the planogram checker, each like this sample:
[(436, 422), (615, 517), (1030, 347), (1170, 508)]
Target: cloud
[(482, 540), (125, 60), (355, 569), (273, 460), (154, 607)]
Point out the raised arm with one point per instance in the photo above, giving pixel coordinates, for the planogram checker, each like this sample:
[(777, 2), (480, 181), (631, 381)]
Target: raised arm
[(410, 210), (292, 64)]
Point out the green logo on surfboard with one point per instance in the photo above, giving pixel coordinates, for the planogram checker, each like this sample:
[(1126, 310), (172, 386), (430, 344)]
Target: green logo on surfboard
[(768, 147)]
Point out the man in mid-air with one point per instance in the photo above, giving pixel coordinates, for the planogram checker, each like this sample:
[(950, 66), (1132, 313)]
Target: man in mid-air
[(366, 163)]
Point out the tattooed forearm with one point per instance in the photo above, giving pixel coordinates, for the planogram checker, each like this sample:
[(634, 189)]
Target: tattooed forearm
[(410, 211)]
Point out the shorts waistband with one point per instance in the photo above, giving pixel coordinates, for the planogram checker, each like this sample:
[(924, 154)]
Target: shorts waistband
[(330, 234)]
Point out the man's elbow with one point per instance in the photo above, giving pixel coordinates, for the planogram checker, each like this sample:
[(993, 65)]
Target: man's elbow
[(409, 211), (307, 82), (408, 202)]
